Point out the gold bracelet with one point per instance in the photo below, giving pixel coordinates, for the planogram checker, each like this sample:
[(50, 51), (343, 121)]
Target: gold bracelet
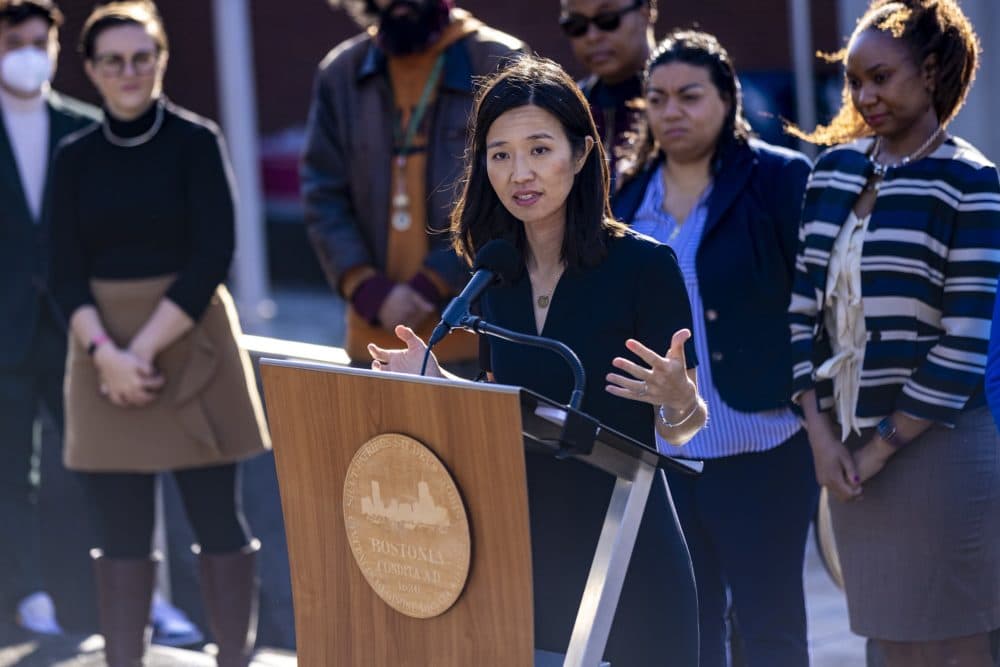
[(669, 424)]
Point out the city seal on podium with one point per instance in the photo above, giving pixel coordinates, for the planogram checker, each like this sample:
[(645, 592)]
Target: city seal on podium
[(407, 525)]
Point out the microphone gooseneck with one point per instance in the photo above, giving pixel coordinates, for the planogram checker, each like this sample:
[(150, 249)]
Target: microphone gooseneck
[(497, 262), (481, 326)]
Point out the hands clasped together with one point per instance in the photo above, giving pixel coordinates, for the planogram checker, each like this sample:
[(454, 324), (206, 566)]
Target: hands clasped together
[(840, 471), (128, 377), (404, 305)]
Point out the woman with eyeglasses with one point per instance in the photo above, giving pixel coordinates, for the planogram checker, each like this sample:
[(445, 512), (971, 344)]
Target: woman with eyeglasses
[(729, 204), (612, 40), (143, 234)]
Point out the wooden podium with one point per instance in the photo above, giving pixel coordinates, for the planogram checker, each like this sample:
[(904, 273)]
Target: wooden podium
[(329, 422)]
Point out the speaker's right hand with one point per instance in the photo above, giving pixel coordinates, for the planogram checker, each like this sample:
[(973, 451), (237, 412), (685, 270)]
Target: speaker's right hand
[(406, 360)]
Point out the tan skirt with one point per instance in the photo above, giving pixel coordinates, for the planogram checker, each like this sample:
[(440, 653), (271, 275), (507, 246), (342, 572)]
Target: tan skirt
[(208, 413), (920, 551)]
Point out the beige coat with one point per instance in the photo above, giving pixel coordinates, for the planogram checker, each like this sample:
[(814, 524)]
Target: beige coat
[(208, 412)]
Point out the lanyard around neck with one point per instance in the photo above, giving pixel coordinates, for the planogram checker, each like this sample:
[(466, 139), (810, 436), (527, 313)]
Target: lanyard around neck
[(404, 140)]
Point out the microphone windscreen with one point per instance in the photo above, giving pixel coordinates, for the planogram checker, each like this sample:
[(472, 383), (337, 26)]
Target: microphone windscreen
[(502, 258)]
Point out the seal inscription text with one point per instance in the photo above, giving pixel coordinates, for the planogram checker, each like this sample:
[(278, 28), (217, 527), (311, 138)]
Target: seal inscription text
[(407, 525)]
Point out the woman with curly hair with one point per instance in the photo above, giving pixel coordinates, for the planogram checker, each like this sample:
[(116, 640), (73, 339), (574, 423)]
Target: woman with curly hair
[(729, 205), (890, 318)]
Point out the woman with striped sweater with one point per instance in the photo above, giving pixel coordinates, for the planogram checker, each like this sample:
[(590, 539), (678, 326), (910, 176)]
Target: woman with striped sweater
[(890, 317)]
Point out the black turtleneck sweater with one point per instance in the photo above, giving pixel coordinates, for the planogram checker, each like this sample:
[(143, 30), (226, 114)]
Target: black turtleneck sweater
[(162, 207)]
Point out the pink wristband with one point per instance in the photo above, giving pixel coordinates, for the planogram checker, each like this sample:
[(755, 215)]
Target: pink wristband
[(96, 342)]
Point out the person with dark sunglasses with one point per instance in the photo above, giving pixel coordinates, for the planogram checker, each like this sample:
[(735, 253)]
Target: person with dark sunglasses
[(612, 39)]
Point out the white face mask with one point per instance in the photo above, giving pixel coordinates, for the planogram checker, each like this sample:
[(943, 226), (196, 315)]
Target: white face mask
[(26, 70)]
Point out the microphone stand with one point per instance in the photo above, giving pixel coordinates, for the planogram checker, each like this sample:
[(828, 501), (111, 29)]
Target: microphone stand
[(481, 326)]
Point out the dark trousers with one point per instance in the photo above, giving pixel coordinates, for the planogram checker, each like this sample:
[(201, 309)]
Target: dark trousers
[(24, 389), (746, 520), (126, 509)]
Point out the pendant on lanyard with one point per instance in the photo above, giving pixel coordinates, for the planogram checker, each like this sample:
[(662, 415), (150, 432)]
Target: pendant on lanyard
[(401, 218)]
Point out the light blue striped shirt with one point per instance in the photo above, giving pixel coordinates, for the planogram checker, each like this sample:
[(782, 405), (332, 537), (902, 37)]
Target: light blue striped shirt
[(728, 431)]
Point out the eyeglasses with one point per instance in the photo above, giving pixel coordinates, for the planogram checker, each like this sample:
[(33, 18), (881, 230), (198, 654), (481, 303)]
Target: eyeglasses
[(576, 25), (113, 64)]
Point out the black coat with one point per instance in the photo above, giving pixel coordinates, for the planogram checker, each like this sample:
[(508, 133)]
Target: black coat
[(24, 241), (745, 265)]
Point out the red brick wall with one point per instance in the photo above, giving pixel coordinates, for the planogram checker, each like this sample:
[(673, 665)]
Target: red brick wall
[(291, 36)]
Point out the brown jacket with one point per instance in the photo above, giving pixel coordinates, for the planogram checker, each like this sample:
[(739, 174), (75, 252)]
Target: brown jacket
[(346, 179)]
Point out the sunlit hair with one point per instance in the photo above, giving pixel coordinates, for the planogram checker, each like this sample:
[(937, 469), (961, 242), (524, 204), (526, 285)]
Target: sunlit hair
[(142, 13), (480, 216), (698, 49), (926, 27)]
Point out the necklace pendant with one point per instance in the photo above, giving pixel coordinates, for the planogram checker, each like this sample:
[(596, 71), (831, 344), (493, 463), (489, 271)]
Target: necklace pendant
[(543, 301), (401, 220), (401, 200)]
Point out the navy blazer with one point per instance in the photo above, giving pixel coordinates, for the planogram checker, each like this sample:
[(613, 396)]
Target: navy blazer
[(745, 264), (24, 241)]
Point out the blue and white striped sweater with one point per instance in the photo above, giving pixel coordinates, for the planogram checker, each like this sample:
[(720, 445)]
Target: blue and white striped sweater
[(928, 274)]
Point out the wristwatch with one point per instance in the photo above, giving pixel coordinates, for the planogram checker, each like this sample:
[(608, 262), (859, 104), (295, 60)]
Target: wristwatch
[(888, 431)]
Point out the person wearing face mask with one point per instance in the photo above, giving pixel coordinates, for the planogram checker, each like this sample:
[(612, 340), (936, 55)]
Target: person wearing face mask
[(142, 239), (385, 139), (33, 119), (612, 39)]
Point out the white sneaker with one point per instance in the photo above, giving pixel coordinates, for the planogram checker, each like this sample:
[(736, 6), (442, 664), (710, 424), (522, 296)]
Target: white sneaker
[(37, 613), (171, 626)]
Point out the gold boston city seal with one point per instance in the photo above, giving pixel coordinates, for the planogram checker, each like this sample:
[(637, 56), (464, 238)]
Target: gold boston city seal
[(407, 525)]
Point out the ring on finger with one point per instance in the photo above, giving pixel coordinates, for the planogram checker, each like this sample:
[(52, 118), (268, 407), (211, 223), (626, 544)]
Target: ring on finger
[(643, 388)]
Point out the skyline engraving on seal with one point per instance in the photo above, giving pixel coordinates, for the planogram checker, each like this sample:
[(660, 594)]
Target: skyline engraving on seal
[(407, 525)]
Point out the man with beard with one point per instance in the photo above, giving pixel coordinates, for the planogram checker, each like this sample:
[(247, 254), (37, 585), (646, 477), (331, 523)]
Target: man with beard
[(612, 39), (385, 144), (33, 119)]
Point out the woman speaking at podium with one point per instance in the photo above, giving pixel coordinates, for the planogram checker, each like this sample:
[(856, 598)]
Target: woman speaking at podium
[(537, 177)]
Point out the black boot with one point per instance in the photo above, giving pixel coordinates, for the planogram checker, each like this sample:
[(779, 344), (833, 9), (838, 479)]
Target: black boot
[(124, 595), (229, 587)]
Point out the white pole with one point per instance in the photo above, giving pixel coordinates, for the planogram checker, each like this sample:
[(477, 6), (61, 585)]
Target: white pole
[(160, 541), (848, 13), (238, 104), (802, 62)]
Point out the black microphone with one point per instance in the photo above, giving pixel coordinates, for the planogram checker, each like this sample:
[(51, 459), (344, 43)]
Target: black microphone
[(497, 262)]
